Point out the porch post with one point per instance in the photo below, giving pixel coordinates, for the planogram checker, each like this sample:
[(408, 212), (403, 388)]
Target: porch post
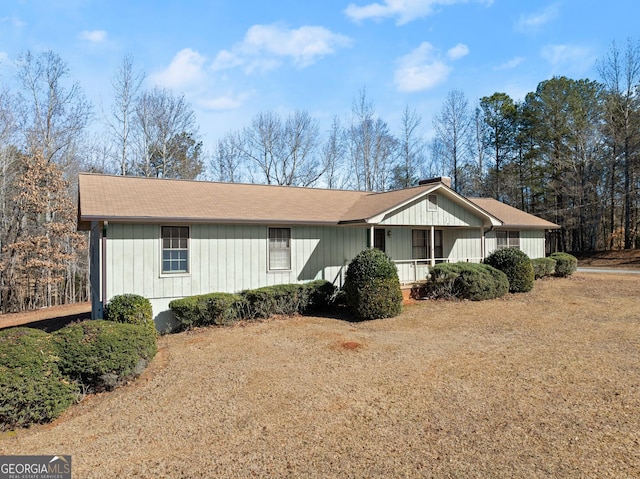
[(432, 246), (482, 244), (371, 237)]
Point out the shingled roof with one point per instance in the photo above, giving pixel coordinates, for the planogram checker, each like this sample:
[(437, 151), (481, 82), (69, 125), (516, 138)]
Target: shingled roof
[(136, 199), (512, 217)]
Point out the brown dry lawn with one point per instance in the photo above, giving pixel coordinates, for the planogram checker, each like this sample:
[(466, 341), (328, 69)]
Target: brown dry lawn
[(545, 384)]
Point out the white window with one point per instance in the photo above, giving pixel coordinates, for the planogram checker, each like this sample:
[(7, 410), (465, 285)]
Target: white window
[(175, 249), (432, 202), (508, 239), (279, 248)]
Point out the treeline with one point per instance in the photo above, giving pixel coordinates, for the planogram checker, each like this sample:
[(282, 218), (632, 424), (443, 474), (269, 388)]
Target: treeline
[(569, 152)]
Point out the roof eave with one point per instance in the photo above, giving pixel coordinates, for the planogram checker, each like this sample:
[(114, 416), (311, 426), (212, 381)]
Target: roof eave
[(87, 219)]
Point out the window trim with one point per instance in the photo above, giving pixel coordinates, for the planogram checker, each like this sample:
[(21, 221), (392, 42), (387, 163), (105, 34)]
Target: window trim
[(175, 274), (511, 239), (425, 237), (438, 237), (290, 248)]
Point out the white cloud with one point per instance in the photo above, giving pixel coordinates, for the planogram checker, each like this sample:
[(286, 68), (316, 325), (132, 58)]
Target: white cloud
[(537, 20), (569, 59), (93, 36), (510, 64), (230, 101), (403, 10), (265, 47), (15, 22), (459, 51), (421, 69), (185, 70)]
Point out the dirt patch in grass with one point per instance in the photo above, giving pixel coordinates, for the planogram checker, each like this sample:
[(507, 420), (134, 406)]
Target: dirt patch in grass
[(538, 385)]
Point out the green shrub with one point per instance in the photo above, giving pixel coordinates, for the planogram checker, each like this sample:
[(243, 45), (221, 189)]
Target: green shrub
[(32, 389), (320, 295), (129, 308), (382, 298), (288, 299), (516, 265), (566, 264), (223, 308), (543, 267), (102, 354), (372, 289), (472, 281), (207, 309)]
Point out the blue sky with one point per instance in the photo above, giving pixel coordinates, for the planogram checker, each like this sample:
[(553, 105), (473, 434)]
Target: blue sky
[(233, 59)]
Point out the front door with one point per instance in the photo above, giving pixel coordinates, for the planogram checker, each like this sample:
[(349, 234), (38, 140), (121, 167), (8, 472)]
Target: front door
[(379, 236)]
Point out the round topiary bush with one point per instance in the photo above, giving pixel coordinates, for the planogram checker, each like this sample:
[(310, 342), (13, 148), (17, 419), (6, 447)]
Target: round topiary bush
[(32, 389), (103, 354), (566, 264), (516, 265), (129, 308), (372, 288), (543, 267)]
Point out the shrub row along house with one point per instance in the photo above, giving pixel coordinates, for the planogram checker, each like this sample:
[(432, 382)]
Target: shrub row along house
[(167, 239)]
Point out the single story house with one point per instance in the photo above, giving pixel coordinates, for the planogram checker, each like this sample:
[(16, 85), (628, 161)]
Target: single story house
[(165, 239)]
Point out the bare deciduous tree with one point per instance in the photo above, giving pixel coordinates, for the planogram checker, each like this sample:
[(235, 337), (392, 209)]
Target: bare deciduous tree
[(620, 70), (54, 115), (453, 130), (167, 136), (370, 147), (127, 84)]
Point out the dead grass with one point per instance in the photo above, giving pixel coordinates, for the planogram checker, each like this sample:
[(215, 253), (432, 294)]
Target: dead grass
[(624, 259), (545, 384)]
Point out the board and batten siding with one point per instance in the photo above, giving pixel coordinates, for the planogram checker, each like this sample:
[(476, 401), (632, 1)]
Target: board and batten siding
[(224, 258), (417, 213), (532, 242)]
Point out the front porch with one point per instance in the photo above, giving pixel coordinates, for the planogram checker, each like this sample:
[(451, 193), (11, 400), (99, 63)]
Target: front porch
[(412, 271)]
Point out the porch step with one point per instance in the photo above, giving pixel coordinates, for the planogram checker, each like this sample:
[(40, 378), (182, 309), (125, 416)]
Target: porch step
[(412, 292)]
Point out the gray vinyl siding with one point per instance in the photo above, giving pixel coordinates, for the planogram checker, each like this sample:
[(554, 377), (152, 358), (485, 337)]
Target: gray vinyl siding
[(224, 258), (463, 244), (448, 213), (532, 242)]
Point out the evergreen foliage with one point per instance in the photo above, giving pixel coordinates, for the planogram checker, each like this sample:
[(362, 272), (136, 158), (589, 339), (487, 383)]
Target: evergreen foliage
[(32, 388), (372, 288), (566, 264), (129, 308), (516, 265), (100, 355), (472, 281)]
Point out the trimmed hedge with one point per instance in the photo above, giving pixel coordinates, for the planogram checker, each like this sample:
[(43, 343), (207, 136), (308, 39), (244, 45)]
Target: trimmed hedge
[(543, 267), (129, 308), (206, 309), (472, 281), (32, 388), (102, 354), (516, 265), (223, 308), (566, 264), (372, 288)]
